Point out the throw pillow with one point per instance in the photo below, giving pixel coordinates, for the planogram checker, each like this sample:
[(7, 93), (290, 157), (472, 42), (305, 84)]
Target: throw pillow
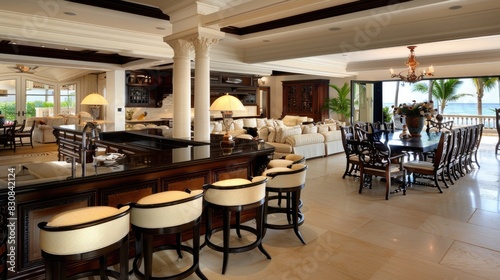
[(322, 128), (309, 129), (272, 134), (217, 127), (251, 122), (285, 132), (238, 124), (261, 123)]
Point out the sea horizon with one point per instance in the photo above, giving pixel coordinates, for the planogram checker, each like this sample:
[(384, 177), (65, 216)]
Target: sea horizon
[(459, 108)]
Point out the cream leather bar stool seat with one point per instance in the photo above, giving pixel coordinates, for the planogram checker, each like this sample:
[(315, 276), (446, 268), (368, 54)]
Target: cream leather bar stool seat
[(287, 161), (85, 234), (290, 182), (235, 195), (169, 212)]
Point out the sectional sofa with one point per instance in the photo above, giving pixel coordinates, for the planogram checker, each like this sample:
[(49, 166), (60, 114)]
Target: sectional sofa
[(290, 135)]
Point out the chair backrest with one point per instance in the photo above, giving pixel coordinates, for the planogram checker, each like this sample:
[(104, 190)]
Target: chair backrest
[(295, 158), (348, 138), (454, 145), (374, 154), (439, 126), (21, 128), (389, 126), (84, 230), (180, 207), (283, 177), (237, 191), (442, 150)]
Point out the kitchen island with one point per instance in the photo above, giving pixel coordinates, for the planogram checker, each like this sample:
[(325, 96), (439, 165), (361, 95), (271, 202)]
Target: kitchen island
[(135, 165)]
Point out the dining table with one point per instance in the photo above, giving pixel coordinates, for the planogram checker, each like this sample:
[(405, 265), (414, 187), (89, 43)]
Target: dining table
[(428, 142)]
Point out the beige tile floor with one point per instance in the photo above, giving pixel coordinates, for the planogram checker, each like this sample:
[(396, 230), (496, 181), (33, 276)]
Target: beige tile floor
[(423, 235)]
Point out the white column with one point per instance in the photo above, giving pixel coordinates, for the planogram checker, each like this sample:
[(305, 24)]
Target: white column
[(202, 88), (115, 95), (182, 88)]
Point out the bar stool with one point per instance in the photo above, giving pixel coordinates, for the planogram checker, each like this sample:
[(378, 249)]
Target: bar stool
[(85, 234), (287, 161), (235, 195), (169, 212), (289, 181)]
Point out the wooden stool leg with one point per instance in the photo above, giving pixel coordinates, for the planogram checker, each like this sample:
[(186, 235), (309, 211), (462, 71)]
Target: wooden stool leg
[(124, 260), (178, 240), (226, 237), (295, 213), (148, 255), (259, 220)]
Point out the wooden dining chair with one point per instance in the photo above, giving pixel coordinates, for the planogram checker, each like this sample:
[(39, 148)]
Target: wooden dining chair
[(375, 159), (433, 126), (25, 134), (430, 170), (8, 139), (350, 145)]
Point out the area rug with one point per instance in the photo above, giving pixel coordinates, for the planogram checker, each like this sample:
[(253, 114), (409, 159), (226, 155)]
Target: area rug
[(28, 158)]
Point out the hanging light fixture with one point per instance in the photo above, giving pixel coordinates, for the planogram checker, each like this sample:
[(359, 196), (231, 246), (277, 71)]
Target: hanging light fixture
[(412, 63)]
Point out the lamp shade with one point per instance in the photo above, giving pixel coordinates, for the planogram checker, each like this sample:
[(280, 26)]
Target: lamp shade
[(94, 99), (227, 103)]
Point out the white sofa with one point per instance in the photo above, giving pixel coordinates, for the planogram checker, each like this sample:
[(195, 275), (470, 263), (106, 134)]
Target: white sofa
[(43, 125), (290, 135)]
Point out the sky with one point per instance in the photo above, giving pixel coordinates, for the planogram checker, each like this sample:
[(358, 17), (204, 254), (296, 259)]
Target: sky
[(491, 96)]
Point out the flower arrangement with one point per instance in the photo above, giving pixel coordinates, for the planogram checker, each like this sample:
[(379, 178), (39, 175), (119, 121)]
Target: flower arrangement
[(424, 109)]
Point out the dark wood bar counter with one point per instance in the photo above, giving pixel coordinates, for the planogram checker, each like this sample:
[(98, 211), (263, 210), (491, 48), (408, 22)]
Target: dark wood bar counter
[(133, 165)]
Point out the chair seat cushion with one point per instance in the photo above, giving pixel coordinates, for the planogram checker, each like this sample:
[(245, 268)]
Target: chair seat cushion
[(279, 163), (162, 197), (425, 165), (82, 215)]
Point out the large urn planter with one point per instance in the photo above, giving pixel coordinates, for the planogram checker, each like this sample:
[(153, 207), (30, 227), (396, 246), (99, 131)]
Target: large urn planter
[(415, 125)]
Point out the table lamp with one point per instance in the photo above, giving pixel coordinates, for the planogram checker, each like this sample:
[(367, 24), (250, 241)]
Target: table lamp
[(95, 101), (227, 104)]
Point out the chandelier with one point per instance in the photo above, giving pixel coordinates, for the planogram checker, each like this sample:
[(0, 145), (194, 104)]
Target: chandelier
[(412, 63)]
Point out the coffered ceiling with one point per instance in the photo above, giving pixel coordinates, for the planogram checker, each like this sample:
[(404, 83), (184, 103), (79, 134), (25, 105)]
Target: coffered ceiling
[(336, 38)]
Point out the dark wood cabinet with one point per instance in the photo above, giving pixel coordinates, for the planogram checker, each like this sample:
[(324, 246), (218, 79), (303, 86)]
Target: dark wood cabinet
[(305, 98), (147, 88)]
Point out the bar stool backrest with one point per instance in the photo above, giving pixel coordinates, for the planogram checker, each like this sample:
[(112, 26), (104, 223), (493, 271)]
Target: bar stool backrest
[(237, 191), (83, 230), (283, 177), (167, 209)]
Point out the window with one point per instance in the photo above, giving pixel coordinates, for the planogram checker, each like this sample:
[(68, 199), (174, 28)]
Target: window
[(67, 99), (39, 99)]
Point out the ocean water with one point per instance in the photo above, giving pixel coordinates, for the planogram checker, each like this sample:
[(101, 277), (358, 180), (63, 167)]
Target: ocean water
[(465, 108)]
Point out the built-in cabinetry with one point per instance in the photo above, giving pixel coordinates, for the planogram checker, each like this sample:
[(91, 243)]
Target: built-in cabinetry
[(305, 98), (147, 88), (243, 86)]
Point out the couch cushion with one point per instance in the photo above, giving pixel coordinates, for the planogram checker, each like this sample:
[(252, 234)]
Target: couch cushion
[(304, 139), (310, 128), (283, 133), (281, 148), (331, 136), (290, 120), (238, 124), (72, 119), (250, 122), (54, 121), (261, 122)]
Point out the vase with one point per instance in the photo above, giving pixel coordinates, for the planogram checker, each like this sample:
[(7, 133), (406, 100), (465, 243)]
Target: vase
[(415, 125)]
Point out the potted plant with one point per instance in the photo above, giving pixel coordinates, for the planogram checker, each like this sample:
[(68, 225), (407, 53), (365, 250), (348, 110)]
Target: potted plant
[(341, 105)]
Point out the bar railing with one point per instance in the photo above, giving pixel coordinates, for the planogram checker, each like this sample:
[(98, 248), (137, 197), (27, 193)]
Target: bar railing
[(489, 122)]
